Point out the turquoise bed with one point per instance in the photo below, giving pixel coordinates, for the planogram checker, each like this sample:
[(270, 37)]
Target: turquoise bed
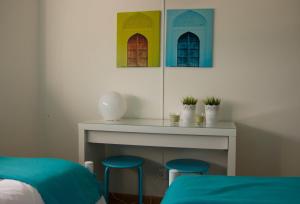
[(233, 190), (58, 181)]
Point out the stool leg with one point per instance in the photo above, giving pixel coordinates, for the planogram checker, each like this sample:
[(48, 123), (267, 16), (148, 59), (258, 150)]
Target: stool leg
[(106, 183), (140, 175)]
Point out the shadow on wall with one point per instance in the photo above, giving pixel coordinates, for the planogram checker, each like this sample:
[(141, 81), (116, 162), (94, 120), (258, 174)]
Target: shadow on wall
[(226, 111), (258, 152), (264, 153), (134, 106), (267, 139)]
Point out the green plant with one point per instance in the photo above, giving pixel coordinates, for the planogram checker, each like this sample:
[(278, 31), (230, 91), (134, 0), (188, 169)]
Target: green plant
[(212, 101), (189, 100)]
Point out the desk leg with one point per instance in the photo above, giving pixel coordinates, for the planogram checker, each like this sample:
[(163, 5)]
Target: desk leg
[(231, 156), (91, 152), (82, 145)]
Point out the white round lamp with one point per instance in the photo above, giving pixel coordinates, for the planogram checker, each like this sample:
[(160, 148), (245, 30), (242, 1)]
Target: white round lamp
[(112, 106)]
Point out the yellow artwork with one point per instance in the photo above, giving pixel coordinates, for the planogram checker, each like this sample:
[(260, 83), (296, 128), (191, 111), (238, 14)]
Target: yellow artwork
[(138, 39)]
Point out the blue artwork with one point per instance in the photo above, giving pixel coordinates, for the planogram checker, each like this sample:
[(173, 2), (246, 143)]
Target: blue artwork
[(189, 38)]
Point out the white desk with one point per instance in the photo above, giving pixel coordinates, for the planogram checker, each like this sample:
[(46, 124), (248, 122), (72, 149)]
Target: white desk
[(156, 133)]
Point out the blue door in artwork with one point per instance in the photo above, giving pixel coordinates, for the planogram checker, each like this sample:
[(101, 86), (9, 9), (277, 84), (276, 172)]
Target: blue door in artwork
[(188, 50)]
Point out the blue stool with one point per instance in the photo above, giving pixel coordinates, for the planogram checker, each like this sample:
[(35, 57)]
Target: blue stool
[(186, 166), (123, 162)]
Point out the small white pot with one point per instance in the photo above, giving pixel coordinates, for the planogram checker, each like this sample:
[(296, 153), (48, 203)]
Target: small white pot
[(211, 114), (188, 114)]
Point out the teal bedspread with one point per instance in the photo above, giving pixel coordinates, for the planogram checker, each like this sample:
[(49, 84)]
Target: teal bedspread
[(58, 181), (233, 190)]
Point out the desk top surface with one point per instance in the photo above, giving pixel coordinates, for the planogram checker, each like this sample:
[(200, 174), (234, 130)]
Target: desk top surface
[(160, 123)]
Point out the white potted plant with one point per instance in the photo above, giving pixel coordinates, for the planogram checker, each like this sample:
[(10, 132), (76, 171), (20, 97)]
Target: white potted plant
[(212, 105), (188, 110)]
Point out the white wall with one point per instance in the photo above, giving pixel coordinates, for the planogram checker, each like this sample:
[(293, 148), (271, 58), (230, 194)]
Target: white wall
[(80, 59), (256, 73), (18, 77)]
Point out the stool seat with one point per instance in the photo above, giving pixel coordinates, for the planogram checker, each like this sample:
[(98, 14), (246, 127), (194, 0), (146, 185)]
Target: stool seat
[(188, 165), (123, 162)]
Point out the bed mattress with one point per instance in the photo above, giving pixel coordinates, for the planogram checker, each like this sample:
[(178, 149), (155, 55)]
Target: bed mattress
[(16, 192)]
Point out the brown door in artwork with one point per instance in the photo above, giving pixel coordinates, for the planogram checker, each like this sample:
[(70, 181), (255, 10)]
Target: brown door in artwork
[(137, 51)]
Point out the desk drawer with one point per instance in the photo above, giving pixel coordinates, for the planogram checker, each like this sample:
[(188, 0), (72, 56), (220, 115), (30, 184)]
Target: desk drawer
[(159, 140)]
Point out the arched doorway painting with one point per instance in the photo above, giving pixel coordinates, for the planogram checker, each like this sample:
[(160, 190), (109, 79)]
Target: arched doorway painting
[(138, 39), (188, 48), (137, 51), (189, 38)]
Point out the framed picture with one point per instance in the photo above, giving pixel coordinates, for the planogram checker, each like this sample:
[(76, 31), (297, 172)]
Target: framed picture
[(189, 38), (138, 39)]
